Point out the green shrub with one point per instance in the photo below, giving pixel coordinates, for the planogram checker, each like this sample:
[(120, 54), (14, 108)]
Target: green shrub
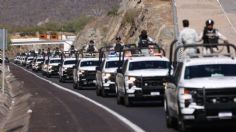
[(114, 11), (73, 26)]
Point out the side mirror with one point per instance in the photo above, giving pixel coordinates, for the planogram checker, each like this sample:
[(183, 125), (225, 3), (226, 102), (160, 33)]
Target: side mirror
[(119, 70)]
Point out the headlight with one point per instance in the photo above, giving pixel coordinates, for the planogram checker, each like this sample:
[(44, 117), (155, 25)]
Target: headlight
[(81, 72), (64, 68), (49, 67), (107, 75), (131, 79), (186, 96)]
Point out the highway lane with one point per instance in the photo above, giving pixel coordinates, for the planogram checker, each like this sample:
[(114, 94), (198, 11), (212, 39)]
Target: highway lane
[(57, 111), (149, 118), (229, 6)]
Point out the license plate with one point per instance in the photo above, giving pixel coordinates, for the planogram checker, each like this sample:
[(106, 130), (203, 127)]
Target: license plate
[(225, 114), (155, 93)]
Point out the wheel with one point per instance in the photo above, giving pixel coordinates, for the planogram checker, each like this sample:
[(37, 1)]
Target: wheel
[(48, 75), (183, 127), (98, 92), (170, 122), (75, 85), (60, 79), (103, 93), (79, 87), (127, 101), (119, 99)]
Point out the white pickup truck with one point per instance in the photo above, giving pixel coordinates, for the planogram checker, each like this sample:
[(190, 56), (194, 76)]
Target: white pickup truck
[(84, 74), (106, 75), (52, 66), (66, 69), (201, 90), (140, 79), (37, 63)]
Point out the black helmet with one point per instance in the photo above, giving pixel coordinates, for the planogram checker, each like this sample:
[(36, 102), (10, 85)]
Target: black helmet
[(118, 38), (91, 41), (144, 32), (209, 22)]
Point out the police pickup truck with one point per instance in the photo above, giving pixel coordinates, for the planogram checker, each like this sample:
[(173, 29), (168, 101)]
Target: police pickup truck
[(84, 74), (37, 62), (52, 66), (66, 67), (202, 88), (28, 62), (141, 77), (106, 72)]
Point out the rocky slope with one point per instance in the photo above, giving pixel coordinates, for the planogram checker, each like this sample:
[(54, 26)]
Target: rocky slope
[(133, 16)]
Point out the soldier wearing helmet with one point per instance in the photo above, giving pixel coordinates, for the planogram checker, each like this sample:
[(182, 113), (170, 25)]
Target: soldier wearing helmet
[(210, 35), (118, 46), (144, 40), (91, 47)]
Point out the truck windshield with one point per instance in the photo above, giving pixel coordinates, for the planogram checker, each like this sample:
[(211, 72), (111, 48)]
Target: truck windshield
[(113, 64), (141, 65), (55, 61), (89, 63), (201, 71), (40, 60), (70, 62)]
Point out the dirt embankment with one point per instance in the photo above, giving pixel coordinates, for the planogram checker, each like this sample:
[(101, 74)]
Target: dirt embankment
[(132, 16), (14, 107)]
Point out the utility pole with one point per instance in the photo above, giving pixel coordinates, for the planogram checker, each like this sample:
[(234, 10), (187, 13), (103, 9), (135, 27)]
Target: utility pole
[(3, 36)]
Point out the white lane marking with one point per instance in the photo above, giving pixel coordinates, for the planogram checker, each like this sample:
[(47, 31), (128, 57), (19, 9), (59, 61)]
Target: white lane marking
[(231, 24), (127, 122)]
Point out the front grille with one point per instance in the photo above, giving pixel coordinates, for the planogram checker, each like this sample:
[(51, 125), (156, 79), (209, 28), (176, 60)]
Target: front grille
[(215, 96), (149, 81), (113, 77), (55, 68), (216, 100), (69, 71), (89, 75)]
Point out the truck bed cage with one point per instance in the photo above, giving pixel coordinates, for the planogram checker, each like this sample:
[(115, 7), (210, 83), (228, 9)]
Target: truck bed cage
[(174, 52)]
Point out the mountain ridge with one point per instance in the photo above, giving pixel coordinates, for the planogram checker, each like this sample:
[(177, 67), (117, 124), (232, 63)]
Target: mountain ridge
[(34, 12)]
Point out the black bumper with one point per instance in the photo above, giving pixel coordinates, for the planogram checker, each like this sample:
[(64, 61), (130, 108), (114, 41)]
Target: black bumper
[(111, 89), (146, 95), (68, 74)]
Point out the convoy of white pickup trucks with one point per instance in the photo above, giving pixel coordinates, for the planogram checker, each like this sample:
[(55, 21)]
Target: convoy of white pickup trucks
[(200, 88)]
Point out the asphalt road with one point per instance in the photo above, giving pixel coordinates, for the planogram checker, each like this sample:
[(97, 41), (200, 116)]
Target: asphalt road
[(56, 110), (229, 7)]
